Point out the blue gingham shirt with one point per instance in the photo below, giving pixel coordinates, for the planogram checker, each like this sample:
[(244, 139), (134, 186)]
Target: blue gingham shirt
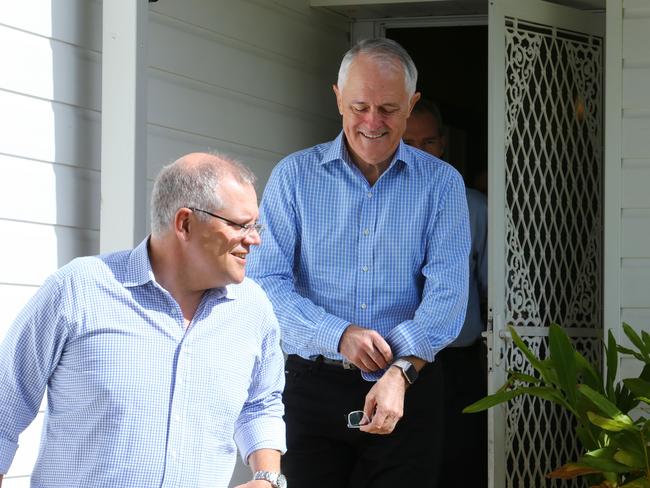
[(392, 257), (478, 276), (135, 400)]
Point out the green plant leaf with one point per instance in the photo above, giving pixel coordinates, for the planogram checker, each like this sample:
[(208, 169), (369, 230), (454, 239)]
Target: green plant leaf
[(516, 375), (562, 354), (637, 341), (504, 396), (631, 352), (603, 459), (638, 386), (629, 441), (616, 424), (637, 483), (602, 403), (588, 373), (570, 471), (631, 459)]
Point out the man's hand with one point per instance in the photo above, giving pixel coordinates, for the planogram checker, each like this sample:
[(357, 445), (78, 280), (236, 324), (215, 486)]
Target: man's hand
[(385, 403), (365, 348)]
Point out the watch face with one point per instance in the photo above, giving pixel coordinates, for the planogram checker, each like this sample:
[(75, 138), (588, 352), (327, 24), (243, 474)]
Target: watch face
[(409, 371)]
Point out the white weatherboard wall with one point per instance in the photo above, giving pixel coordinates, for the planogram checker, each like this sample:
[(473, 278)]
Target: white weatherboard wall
[(629, 22), (50, 66), (250, 78)]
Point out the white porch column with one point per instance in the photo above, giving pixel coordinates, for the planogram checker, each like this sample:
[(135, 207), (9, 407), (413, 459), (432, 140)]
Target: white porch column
[(124, 119)]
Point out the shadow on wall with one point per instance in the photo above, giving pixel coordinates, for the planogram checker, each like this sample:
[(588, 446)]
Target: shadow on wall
[(76, 79)]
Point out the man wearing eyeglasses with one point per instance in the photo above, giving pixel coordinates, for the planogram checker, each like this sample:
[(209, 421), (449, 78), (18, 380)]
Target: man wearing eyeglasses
[(158, 361), (365, 261)]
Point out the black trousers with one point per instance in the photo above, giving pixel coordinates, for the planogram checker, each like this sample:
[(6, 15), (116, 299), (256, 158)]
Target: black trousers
[(465, 435), (323, 452)]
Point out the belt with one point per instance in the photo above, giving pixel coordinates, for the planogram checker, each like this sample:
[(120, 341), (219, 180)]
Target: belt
[(345, 364)]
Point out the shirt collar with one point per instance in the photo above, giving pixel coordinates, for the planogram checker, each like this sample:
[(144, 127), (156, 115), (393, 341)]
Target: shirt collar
[(138, 268), (338, 151), (139, 272)]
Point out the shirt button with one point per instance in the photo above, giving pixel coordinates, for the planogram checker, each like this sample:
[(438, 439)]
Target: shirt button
[(174, 454), (366, 232), (364, 306), (365, 268), (369, 194)]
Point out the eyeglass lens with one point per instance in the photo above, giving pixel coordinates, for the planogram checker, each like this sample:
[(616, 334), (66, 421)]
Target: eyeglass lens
[(356, 419)]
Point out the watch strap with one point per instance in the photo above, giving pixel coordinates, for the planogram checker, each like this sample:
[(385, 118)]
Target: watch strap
[(277, 480)]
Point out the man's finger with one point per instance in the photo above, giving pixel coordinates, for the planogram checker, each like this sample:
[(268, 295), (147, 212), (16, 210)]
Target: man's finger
[(382, 347)]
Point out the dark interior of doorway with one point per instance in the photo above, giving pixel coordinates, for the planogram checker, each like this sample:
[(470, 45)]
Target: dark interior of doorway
[(452, 64)]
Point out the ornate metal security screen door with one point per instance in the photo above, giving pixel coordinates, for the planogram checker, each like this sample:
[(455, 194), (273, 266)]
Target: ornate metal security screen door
[(545, 216)]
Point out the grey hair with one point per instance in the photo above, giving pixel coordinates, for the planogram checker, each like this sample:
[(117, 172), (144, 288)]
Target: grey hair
[(384, 51), (426, 106), (193, 185)]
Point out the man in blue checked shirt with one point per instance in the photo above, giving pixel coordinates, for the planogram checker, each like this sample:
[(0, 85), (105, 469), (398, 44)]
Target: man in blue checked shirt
[(158, 361), (366, 264)]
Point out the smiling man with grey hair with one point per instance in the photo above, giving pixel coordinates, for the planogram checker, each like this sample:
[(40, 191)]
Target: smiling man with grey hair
[(366, 266), (158, 361)]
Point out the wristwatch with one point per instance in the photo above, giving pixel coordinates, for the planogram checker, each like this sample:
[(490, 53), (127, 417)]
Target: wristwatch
[(408, 370), (277, 480)]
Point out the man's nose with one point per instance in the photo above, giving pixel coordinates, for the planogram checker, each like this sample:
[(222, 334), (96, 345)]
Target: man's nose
[(252, 238), (373, 118)]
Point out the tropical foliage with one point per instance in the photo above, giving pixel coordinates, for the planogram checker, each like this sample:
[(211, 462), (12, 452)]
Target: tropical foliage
[(616, 446)]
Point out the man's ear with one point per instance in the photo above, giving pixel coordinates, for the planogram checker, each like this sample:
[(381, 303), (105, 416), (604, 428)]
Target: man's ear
[(339, 101), (182, 223), (414, 99)]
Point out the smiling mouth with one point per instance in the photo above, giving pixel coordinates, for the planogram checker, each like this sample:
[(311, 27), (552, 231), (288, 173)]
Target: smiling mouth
[(240, 255), (373, 135)]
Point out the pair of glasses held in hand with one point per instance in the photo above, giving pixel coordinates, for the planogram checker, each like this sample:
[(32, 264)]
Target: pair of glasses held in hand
[(356, 419)]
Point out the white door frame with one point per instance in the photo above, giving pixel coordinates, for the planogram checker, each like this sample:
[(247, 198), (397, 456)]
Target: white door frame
[(124, 124)]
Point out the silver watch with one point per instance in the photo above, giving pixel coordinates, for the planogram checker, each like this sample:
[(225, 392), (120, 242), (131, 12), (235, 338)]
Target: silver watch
[(277, 480)]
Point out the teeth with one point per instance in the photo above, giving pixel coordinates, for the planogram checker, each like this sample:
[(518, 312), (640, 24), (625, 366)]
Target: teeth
[(239, 255), (372, 136)]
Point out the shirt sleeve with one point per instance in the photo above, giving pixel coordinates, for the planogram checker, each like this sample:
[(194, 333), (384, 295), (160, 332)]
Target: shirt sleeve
[(481, 246), (260, 424), (305, 325), (28, 355), (440, 315)]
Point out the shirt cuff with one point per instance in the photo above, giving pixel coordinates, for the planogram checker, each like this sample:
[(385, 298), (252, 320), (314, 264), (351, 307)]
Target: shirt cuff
[(7, 453), (261, 433), (329, 334)]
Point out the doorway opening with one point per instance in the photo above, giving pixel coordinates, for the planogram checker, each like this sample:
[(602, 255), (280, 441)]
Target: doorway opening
[(452, 63)]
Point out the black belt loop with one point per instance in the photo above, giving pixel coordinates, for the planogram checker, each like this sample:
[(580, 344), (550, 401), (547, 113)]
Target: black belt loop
[(317, 364)]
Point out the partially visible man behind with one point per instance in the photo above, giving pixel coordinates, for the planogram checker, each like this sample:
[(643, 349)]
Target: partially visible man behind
[(366, 267), (156, 360), (464, 360)]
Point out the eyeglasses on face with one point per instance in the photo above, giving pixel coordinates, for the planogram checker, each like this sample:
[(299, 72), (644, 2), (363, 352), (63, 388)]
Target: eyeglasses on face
[(244, 229), (356, 419)]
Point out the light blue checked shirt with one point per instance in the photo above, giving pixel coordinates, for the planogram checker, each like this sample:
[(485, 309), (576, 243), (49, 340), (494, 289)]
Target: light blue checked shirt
[(134, 400), (392, 257), (478, 275)]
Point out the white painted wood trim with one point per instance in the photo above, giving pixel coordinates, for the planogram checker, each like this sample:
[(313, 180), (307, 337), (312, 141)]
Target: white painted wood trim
[(612, 170), (496, 236), (124, 119)]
